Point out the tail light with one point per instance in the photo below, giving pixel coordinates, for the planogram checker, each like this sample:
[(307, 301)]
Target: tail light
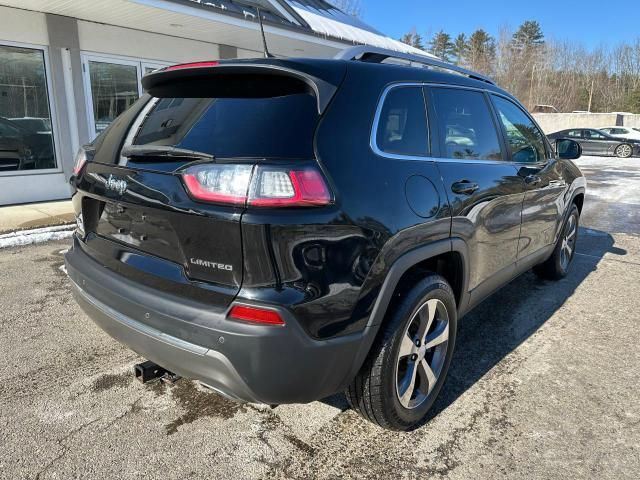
[(260, 186), (255, 315), (81, 159)]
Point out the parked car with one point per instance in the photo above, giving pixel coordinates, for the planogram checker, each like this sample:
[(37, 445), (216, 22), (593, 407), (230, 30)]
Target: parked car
[(15, 154), (36, 133), (622, 132), (33, 124), (597, 142), (285, 229)]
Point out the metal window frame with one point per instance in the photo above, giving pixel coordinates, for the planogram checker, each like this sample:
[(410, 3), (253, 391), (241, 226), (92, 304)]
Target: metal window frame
[(369, 54), (430, 158), (53, 114), (373, 141)]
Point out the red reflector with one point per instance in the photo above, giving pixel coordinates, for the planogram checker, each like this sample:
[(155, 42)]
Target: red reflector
[(192, 65), (256, 315)]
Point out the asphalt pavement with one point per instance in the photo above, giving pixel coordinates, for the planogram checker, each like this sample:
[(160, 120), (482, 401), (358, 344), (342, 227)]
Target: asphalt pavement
[(543, 385)]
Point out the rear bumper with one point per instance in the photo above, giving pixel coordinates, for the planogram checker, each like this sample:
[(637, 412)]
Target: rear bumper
[(254, 363)]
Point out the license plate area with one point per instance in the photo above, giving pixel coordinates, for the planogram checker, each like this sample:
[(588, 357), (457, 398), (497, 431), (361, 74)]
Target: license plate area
[(140, 227)]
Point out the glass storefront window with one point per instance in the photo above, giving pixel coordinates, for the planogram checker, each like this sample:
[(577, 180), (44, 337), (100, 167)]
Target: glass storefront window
[(114, 88), (26, 136)]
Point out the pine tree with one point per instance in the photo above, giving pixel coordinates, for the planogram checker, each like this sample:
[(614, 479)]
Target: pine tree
[(414, 39), (481, 52), (442, 46), (528, 36), (460, 48)]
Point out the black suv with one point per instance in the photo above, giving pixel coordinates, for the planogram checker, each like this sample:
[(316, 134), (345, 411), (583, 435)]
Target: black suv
[(282, 230)]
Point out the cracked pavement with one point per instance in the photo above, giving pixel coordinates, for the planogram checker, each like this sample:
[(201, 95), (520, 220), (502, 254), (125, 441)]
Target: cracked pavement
[(544, 383)]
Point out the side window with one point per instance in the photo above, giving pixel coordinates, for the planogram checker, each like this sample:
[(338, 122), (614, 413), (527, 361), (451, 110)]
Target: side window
[(524, 138), (465, 126), (593, 135), (402, 126), (574, 133)]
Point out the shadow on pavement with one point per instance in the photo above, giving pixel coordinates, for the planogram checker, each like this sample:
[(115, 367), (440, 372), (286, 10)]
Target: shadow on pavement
[(511, 315)]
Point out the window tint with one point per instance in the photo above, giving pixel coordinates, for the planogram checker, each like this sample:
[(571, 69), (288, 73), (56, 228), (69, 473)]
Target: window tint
[(525, 140), (465, 125), (402, 127), (593, 135), (234, 127)]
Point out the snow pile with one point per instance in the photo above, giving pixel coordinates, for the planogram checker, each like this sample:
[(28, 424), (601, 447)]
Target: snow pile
[(334, 23), (37, 235)]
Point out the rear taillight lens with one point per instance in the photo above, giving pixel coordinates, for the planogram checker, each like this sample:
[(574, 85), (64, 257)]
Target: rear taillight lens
[(219, 183), (80, 161), (260, 186), (255, 315)]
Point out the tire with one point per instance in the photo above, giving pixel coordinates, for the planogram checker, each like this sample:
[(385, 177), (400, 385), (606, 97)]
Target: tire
[(557, 265), (381, 390), (624, 150)]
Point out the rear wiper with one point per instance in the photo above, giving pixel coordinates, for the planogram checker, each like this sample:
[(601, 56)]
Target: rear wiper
[(129, 151)]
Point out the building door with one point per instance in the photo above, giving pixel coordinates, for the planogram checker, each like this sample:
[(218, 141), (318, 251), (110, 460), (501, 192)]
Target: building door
[(112, 85), (30, 167)]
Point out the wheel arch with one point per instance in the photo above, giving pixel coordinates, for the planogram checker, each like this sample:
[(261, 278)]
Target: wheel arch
[(450, 258)]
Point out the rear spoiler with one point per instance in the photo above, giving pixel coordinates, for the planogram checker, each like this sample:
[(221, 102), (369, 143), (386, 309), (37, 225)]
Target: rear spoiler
[(248, 80)]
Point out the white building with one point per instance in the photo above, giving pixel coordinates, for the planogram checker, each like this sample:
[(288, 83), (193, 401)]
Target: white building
[(68, 67)]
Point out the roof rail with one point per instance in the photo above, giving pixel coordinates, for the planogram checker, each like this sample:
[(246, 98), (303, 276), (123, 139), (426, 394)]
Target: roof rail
[(366, 53)]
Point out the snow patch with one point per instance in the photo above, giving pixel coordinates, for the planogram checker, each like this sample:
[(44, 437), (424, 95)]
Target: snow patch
[(37, 235)]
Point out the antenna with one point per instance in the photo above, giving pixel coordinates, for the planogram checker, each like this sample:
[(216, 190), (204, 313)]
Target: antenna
[(264, 40)]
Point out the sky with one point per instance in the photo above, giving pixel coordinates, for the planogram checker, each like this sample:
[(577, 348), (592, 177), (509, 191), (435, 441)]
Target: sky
[(592, 23)]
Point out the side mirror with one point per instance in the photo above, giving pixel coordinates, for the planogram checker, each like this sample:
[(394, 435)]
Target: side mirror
[(568, 149)]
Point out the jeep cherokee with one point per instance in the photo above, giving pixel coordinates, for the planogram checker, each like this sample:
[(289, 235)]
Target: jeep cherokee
[(285, 229)]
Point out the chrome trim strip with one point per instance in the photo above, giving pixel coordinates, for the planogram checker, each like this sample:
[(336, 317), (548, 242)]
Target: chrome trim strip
[(373, 141), (376, 120)]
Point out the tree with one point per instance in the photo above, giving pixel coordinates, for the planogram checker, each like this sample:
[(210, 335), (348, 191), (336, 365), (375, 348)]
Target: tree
[(350, 7), (442, 46), (529, 35), (481, 53), (414, 39), (460, 48)]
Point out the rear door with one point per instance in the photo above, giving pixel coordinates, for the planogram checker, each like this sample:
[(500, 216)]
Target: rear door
[(598, 143), (139, 215), (484, 189)]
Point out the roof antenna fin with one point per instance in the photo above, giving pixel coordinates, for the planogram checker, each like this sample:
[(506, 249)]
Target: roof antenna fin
[(264, 40)]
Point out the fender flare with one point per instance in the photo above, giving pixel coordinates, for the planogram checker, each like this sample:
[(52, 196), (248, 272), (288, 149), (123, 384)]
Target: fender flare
[(399, 267)]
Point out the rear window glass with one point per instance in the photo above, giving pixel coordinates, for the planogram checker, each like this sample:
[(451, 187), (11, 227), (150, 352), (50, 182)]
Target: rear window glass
[(279, 127), (402, 128)]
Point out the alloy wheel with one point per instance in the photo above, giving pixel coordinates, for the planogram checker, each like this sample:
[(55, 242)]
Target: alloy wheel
[(624, 151), (422, 354), (568, 242)]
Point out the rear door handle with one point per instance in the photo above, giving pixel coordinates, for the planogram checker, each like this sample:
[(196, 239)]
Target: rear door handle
[(532, 179), (464, 187)]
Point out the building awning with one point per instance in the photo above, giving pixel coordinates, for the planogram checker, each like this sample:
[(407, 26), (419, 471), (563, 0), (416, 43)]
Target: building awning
[(294, 28)]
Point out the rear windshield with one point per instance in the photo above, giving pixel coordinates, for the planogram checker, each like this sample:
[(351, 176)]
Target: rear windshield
[(278, 127)]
